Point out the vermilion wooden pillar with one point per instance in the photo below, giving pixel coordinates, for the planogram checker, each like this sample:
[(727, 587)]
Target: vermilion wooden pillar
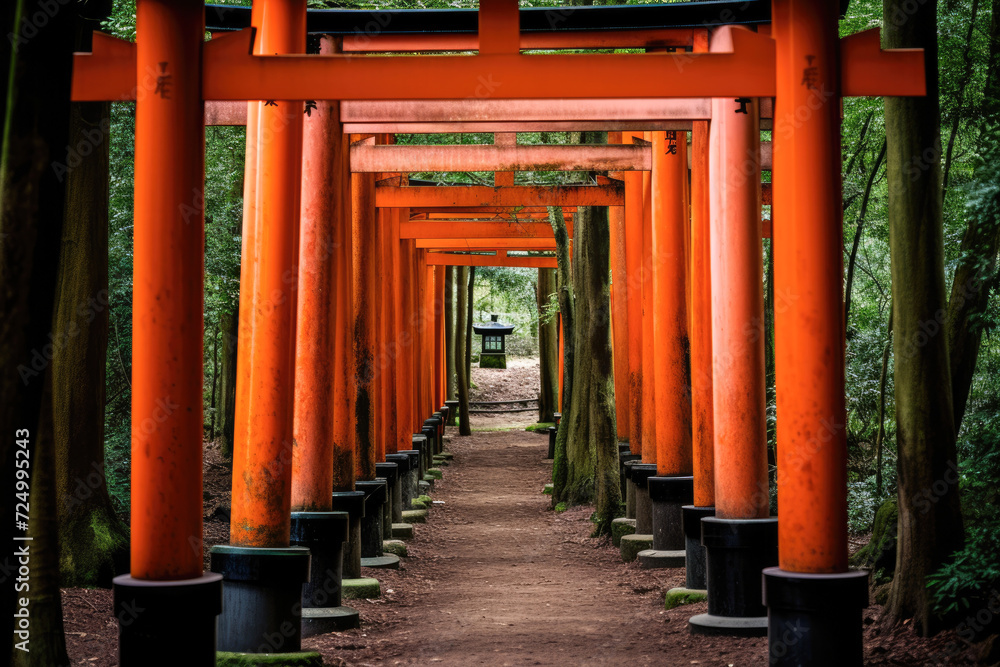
[(390, 348), (168, 298), (619, 312), (166, 430), (322, 217), (263, 439), (702, 420), (649, 432), (364, 256), (670, 336), (344, 396), (634, 278), (740, 540), (404, 367), (809, 346)]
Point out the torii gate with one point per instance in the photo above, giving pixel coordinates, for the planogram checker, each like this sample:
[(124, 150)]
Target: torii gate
[(171, 72)]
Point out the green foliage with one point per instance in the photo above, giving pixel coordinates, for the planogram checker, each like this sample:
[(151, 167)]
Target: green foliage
[(561, 507), (974, 572)]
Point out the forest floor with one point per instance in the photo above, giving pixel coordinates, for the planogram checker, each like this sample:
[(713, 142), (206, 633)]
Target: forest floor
[(496, 577)]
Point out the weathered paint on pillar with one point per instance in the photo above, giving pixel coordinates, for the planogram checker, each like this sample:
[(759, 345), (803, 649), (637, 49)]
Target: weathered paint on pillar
[(671, 348), (808, 271), (702, 419), (633, 264), (649, 442), (167, 309), (364, 256), (741, 490), (321, 218), (262, 451), (345, 455)]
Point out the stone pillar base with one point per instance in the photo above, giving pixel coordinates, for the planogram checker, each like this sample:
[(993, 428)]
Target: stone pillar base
[(815, 619), (167, 622)]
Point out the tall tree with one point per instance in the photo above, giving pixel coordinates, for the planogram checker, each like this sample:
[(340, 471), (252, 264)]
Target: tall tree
[(449, 330), (93, 540), (32, 205), (976, 271), (564, 290), (461, 343), (930, 520), (591, 440), (548, 347)]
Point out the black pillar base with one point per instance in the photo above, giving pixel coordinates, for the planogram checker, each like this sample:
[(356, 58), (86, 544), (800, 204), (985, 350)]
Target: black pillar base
[(420, 443), (623, 458), (324, 534), (262, 598), (163, 623), (736, 552), (390, 473), (352, 502), (371, 522), (630, 490), (641, 472), (666, 496), (411, 478), (552, 443), (815, 619), (695, 552), (445, 411), (452, 412), (400, 497), (428, 450)]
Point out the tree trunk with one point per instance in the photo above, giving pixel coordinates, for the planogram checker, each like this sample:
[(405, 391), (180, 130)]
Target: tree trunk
[(33, 168), (548, 348), (461, 343), (930, 520), (226, 415), (860, 228), (591, 439), (970, 287), (883, 381), (564, 286), (215, 378), (94, 541), (449, 331), (469, 341)]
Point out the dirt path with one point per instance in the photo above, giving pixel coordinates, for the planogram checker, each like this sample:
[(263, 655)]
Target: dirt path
[(497, 578)]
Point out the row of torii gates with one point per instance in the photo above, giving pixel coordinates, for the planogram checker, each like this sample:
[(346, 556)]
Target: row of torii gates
[(341, 355)]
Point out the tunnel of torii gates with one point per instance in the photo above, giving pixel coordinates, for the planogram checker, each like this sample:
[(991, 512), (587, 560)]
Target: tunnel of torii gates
[(341, 387)]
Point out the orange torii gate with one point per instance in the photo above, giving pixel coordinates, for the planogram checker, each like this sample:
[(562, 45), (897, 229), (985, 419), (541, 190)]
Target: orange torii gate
[(171, 72)]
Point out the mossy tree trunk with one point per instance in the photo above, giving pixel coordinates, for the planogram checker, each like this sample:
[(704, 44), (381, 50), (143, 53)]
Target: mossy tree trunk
[(591, 439), (461, 341), (564, 290), (94, 541), (548, 347), (33, 167), (930, 520), (449, 330)]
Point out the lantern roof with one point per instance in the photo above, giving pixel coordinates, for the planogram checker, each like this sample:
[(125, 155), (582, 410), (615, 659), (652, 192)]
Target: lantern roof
[(493, 328)]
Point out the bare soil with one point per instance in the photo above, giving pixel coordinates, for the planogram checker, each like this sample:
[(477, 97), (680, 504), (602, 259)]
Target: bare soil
[(498, 578)]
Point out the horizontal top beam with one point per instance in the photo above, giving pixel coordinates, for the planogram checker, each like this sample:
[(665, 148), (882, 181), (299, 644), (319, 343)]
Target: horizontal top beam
[(348, 22), (391, 196), (453, 158), (499, 259), (435, 229), (488, 244)]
